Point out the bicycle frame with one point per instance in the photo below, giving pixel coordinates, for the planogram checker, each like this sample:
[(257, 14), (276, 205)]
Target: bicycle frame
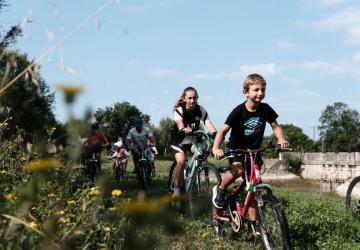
[(252, 182), (200, 154)]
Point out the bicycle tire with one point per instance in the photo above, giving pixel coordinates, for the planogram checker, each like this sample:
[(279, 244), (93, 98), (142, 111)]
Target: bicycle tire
[(91, 169), (200, 196), (119, 174), (170, 178), (143, 175), (352, 200), (272, 222)]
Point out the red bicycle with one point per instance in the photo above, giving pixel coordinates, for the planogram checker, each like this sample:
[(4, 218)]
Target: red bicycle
[(271, 220)]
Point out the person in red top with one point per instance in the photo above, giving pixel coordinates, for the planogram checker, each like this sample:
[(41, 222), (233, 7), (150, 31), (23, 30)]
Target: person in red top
[(95, 141)]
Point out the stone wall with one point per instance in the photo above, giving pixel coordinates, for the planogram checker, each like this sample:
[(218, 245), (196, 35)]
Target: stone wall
[(330, 167)]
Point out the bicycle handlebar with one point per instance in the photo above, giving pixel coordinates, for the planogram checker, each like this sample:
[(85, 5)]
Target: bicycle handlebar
[(234, 152)]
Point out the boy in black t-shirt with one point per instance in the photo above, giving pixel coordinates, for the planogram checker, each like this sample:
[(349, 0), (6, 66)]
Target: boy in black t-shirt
[(247, 123)]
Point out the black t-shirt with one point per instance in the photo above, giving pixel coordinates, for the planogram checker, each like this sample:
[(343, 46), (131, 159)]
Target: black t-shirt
[(247, 128), (192, 120)]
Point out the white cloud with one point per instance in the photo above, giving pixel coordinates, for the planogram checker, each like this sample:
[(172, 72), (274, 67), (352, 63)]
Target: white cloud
[(287, 45), (162, 72), (326, 68), (307, 93), (356, 57), (217, 76), (323, 2), (346, 21), (268, 69)]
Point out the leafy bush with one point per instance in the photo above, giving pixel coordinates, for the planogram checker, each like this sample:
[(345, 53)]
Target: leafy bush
[(293, 163)]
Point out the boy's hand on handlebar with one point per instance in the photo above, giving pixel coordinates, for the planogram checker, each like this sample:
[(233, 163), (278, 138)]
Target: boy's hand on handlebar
[(187, 130), (218, 153), (284, 144)]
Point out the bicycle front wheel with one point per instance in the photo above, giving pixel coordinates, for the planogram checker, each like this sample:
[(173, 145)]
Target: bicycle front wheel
[(200, 196), (273, 225), (352, 200)]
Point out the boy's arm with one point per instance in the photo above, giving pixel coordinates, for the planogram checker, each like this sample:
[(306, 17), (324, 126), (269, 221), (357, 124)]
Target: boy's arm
[(217, 151), (279, 134)]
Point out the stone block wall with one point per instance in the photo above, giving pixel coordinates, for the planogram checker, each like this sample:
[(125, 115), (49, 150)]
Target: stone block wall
[(332, 167)]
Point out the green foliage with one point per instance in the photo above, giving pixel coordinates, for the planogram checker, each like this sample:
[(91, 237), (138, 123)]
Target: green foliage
[(339, 128), (118, 119), (28, 102), (319, 222), (293, 163), (298, 141), (162, 135)]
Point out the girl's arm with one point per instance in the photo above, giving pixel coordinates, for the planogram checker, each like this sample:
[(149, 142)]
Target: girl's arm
[(217, 151), (210, 126), (279, 134)]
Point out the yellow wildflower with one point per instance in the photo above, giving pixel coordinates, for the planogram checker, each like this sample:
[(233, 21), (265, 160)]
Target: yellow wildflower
[(70, 202), (112, 209), (10, 197), (94, 191), (60, 212), (106, 229), (51, 195), (64, 220), (116, 192), (43, 164), (78, 232), (33, 224), (33, 208), (70, 92), (3, 172)]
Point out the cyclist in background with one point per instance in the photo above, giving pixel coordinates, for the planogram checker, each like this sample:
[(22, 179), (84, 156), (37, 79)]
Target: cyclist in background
[(187, 115), (137, 140), (95, 141), (120, 152), (247, 123)]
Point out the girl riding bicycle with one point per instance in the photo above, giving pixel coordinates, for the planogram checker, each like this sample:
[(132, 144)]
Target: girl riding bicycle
[(247, 123), (187, 115), (121, 154)]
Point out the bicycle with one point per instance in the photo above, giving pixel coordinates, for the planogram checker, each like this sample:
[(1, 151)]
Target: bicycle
[(119, 168), (352, 200), (91, 166), (199, 175), (271, 219), (145, 168)]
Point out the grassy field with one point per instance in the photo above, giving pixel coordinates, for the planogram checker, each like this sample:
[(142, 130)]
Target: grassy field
[(55, 209)]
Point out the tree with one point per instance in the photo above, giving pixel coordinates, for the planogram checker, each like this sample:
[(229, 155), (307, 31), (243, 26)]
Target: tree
[(162, 135), (339, 128), (116, 120), (27, 104), (295, 136)]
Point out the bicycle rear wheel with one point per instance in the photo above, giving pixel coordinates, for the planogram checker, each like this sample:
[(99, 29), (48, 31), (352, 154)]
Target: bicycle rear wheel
[(352, 200), (119, 172), (273, 226), (144, 174), (91, 170), (200, 196)]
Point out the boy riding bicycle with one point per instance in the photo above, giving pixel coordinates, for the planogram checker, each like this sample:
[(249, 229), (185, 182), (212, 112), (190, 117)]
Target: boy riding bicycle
[(247, 123)]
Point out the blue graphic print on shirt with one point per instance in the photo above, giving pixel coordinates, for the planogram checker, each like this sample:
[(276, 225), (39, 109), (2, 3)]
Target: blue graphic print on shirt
[(252, 126)]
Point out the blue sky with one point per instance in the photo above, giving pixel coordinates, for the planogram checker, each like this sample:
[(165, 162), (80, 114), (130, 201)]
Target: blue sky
[(147, 51)]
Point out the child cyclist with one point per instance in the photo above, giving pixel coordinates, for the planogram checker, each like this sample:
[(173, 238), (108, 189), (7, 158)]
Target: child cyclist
[(187, 115), (120, 153), (247, 123)]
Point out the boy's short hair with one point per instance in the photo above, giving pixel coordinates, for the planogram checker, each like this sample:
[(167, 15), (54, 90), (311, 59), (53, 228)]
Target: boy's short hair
[(253, 79)]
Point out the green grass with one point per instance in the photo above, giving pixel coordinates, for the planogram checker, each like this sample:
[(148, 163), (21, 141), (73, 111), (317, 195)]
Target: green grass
[(71, 215)]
